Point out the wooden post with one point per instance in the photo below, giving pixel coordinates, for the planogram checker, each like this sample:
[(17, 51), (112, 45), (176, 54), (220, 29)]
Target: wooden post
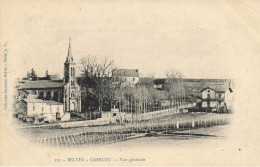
[(131, 108)]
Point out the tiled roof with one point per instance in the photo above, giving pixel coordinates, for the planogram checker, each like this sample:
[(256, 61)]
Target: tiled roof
[(31, 92), (217, 88), (42, 84), (220, 88), (49, 102), (33, 100), (126, 72)]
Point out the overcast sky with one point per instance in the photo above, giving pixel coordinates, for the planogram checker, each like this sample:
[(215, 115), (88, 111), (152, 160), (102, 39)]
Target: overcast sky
[(201, 39)]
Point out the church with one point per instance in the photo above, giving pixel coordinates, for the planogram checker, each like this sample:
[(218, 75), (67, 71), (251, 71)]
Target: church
[(52, 98)]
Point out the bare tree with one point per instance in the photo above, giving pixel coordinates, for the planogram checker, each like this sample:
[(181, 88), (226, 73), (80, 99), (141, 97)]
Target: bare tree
[(98, 81), (175, 86)]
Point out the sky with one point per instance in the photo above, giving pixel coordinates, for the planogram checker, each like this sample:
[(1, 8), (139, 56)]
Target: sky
[(202, 39)]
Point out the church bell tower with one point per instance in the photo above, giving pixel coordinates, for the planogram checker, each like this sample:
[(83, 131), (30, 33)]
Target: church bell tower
[(72, 91), (69, 68)]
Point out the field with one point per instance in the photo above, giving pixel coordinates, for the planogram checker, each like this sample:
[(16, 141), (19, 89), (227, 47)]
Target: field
[(182, 124), (177, 126)]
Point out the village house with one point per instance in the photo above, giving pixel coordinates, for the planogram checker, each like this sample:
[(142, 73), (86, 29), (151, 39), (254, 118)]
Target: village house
[(213, 97), (159, 84), (64, 95), (46, 110), (129, 76), (26, 94)]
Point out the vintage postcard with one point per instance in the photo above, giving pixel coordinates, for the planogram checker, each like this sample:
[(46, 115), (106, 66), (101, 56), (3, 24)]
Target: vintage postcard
[(129, 83)]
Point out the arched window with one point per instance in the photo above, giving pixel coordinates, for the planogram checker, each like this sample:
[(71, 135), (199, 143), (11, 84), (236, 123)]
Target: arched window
[(41, 95), (72, 71), (72, 94), (48, 95), (72, 83)]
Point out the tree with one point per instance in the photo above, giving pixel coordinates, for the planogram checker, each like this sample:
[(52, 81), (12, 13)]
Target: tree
[(47, 76), (32, 74), (175, 86), (98, 83)]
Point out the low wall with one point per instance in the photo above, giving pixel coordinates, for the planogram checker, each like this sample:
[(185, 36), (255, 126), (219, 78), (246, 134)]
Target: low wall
[(86, 123), (127, 117), (160, 113)]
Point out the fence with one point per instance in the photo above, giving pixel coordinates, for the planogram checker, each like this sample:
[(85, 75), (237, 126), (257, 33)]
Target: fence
[(124, 118)]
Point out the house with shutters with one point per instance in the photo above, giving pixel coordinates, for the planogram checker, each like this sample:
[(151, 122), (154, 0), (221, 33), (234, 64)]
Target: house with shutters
[(213, 96), (47, 110)]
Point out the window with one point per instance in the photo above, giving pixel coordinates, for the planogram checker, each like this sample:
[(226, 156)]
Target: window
[(50, 109), (133, 79), (219, 95), (33, 107), (72, 71), (72, 83), (208, 90), (58, 109), (208, 95), (42, 108), (48, 95), (41, 95)]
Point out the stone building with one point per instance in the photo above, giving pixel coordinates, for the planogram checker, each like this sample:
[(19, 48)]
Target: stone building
[(72, 93), (66, 92), (213, 96), (128, 76)]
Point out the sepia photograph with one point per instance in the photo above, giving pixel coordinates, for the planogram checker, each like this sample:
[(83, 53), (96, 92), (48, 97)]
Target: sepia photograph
[(129, 83)]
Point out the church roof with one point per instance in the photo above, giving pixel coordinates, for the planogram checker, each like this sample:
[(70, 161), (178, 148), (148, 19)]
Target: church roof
[(42, 84), (126, 72)]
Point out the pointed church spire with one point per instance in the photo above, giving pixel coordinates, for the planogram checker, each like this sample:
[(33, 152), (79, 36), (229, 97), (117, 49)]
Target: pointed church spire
[(70, 44), (69, 50), (69, 57)]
